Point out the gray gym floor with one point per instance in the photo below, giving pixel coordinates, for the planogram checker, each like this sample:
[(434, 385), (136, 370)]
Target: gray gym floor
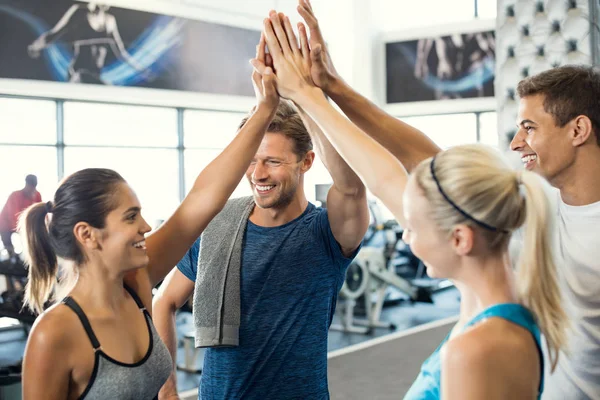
[(404, 315)]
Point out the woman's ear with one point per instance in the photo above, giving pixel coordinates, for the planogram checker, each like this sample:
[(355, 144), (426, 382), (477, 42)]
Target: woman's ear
[(86, 235), (462, 239)]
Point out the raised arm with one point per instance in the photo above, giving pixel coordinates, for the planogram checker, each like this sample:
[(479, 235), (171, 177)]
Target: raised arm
[(347, 208), (214, 185), (405, 142), (382, 173), (48, 37)]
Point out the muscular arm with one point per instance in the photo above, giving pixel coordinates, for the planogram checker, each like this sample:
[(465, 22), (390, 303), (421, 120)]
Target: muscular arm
[(214, 185), (381, 172), (405, 142), (173, 293), (347, 199), (207, 197)]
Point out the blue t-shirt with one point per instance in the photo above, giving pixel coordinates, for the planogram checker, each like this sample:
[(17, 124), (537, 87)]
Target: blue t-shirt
[(290, 278)]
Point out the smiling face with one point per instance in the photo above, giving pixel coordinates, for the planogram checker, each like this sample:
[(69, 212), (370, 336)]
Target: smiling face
[(544, 147), (121, 241), (276, 171), (421, 233)]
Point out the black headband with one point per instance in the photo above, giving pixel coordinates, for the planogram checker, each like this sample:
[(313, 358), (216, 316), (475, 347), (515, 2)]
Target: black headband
[(456, 207)]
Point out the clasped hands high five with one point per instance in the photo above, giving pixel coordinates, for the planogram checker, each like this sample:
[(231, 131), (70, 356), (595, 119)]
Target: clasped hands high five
[(298, 70)]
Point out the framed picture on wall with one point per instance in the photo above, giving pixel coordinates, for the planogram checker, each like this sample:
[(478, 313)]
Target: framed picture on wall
[(89, 42), (455, 62)]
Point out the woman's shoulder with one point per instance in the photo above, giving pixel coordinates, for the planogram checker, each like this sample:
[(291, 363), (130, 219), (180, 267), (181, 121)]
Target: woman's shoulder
[(490, 343), (55, 328)]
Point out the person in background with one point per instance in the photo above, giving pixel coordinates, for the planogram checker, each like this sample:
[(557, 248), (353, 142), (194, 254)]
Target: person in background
[(15, 204)]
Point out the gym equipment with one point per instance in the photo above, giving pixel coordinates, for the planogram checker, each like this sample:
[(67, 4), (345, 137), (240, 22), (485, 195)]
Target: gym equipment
[(11, 300), (10, 382), (190, 355), (374, 272)]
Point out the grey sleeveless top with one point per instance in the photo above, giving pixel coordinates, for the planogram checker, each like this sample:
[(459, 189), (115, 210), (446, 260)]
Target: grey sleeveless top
[(112, 379)]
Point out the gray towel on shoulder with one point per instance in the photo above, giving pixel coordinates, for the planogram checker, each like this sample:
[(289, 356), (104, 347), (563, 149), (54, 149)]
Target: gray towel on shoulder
[(217, 290)]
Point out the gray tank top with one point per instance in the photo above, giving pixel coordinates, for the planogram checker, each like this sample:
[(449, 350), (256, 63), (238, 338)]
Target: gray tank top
[(112, 379)]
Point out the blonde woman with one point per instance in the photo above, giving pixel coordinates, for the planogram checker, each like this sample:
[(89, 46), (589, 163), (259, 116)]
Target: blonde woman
[(459, 209)]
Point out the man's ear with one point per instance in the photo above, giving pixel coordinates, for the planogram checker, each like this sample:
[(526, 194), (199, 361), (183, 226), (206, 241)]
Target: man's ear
[(308, 160), (581, 130), (462, 239)]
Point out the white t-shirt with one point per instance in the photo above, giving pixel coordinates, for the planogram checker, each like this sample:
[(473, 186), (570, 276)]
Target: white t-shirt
[(577, 251), (577, 375)]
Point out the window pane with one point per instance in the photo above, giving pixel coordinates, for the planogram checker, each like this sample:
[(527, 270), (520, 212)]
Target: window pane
[(446, 130), (488, 128), (152, 173), (119, 125), (27, 121), (210, 129), (398, 15), (196, 160), (316, 175), (16, 162), (487, 8)]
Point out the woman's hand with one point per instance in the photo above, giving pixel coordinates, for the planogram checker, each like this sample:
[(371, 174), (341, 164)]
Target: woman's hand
[(291, 62), (264, 82)]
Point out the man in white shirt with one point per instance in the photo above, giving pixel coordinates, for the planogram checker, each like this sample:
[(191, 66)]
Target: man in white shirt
[(559, 138)]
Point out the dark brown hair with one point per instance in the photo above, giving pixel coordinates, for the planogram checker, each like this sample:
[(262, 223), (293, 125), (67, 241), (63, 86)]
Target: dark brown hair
[(568, 91)]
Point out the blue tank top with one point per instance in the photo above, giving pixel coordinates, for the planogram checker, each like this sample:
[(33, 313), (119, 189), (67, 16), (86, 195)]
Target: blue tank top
[(427, 386)]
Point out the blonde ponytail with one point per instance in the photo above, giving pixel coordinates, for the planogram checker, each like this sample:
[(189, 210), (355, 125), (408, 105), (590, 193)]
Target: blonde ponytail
[(537, 281)]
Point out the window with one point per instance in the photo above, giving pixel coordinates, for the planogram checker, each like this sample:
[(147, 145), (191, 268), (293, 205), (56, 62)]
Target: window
[(27, 121), (210, 129), (446, 130), (197, 159), (400, 15), (16, 162), (119, 125), (152, 174), (317, 174), (488, 129)]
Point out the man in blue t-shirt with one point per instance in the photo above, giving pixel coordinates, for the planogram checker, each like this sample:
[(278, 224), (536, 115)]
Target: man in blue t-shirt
[(294, 260)]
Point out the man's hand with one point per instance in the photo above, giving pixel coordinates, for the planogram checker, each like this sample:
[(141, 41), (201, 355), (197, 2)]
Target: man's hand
[(322, 70), (292, 63), (264, 84)]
